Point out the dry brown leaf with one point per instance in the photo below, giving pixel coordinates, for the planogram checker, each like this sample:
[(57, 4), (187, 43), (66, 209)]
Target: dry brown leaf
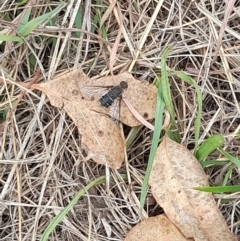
[(100, 136), (175, 172), (157, 228)]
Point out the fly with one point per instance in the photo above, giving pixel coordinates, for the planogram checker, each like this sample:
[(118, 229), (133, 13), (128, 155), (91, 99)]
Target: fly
[(109, 97), (115, 92)]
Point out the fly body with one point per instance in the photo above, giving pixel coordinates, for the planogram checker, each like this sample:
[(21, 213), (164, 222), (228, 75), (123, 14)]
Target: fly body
[(108, 97), (115, 92)]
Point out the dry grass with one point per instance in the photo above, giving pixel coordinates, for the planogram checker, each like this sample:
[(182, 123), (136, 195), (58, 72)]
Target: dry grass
[(41, 167)]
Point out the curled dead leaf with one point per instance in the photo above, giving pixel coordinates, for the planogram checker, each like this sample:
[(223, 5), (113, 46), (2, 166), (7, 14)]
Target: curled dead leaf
[(175, 172), (157, 228)]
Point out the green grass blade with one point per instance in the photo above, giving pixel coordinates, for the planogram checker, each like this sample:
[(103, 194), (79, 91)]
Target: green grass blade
[(34, 23), (197, 124), (52, 22), (230, 157), (133, 135), (220, 189), (228, 175), (32, 61), (104, 32), (210, 163), (156, 136), (25, 18), (208, 146), (157, 128), (62, 214), (78, 22), (10, 38), (165, 86), (167, 97), (97, 18), (4, 112), (173, 135)]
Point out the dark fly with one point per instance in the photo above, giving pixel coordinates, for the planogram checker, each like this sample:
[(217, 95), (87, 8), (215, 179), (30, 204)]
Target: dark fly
[(109, 96), (115, 92)]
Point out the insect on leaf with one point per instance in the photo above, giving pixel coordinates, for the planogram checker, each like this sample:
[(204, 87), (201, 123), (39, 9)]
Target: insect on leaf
[(101, 138), (141, 95), (109, 97)]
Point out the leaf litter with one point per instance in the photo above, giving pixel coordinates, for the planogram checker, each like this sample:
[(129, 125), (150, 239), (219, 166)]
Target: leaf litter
[(175, 172), (146, 60), (101, 138), (157, 228)]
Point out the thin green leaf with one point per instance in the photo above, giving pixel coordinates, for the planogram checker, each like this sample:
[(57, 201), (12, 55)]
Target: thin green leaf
[(25, 18), (220, 189), (156, 136), (208, 146), (95, 23), (173, 135), (228, 175), (133, 135), (167, 97), (157, 128), (213, 163), (197, 124), (62, 214), (10, 38), (32, 60), (34, 23), (97, 18), (78, 21), (4, 112), (52, 21), (230, 157), (104, 32), (165, 86)]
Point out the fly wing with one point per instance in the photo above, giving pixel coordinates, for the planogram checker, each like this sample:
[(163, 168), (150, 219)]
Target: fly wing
[(97, 91), (114, 111)]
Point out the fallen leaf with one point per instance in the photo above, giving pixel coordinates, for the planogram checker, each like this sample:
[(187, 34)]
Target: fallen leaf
[(157, 228), (175, 172), (101, 138)]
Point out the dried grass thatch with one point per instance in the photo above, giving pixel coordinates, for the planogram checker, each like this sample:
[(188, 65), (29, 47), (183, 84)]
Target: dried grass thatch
[(41, 167)]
